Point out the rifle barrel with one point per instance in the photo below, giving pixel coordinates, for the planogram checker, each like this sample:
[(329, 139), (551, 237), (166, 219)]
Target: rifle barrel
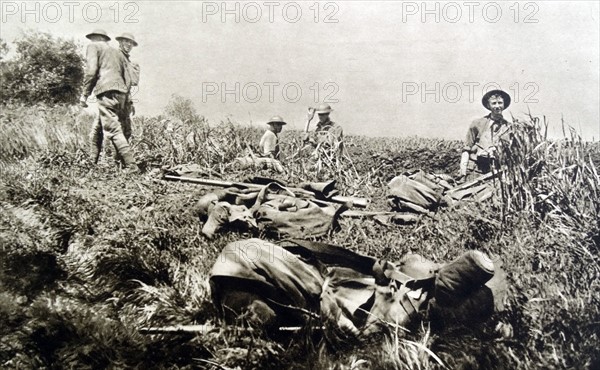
[(206, 328), (358, 202)]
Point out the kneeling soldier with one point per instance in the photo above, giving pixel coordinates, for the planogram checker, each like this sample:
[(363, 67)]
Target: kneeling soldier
[(269, 143)]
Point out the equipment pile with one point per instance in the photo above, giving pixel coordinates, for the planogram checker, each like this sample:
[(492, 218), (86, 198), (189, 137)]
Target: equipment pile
[(295, 282)]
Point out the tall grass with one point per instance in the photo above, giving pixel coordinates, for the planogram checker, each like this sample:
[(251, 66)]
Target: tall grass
[(89, 254), (550, 178), (30, 130)]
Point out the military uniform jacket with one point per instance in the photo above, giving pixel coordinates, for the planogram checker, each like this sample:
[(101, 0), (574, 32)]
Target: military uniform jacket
[(329, 132), (483, 134), (269, 145), (106, 69)]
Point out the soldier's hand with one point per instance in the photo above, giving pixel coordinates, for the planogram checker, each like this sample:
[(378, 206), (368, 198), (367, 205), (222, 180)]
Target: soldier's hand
[(83, 102), (311, 114), (132, 110)]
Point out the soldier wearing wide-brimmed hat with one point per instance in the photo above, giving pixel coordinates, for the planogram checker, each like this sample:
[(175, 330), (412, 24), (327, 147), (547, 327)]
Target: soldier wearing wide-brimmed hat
[(127, 36), (126, 43), (98, 35), (479, 153), (96, 135), (107, 76), (327, 133), (269, 142)]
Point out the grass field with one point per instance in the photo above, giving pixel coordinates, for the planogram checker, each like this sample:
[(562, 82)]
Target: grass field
[(90, 254)]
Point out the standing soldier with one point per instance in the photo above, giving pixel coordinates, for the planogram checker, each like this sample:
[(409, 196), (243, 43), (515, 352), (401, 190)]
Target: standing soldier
[(96, 134), (269, 143), (479, 153), (108, 76), (126, 44), (327, 133)]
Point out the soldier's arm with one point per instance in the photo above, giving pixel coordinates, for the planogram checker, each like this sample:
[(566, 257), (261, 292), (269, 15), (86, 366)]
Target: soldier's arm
[(91, 70), (338, 132), (464, 163), (470, 141), (472, 137), (135, 71), (269, 146)]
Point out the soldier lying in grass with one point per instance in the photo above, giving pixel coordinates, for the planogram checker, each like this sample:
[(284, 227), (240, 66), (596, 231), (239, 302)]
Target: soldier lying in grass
[(352, 296)]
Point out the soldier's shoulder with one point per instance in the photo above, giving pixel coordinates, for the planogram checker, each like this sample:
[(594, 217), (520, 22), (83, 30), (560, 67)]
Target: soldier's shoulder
[(479, 121), (268, 135), (102, 48), (102, 45), (94, 46), (112, 50)]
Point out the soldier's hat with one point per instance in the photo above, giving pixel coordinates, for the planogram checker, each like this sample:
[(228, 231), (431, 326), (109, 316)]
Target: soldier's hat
[(503, 94), (324, 108), (127, 36), (98, 32), (277, 119)]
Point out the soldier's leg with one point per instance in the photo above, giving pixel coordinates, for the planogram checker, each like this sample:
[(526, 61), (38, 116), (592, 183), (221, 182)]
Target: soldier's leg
[(126, 119), (127, 128), (111, 105), (96, 138)]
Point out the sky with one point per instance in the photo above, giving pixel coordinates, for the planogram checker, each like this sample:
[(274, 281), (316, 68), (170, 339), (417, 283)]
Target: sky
[(388, 68)]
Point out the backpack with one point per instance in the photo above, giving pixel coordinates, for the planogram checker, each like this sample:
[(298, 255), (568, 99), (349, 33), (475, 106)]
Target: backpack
[(418, 192)]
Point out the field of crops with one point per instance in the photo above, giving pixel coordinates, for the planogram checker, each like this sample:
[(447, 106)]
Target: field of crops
[(90, 254)]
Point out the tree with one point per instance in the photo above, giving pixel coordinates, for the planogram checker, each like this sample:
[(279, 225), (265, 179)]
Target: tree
[(45, 69), (181, 108), (3, 49)]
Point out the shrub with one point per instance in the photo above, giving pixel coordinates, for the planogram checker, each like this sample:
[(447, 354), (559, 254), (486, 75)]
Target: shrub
[(45, 69), (181, 108)]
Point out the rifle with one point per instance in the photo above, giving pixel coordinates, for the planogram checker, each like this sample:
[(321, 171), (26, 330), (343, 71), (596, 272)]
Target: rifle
[(479, 180), (356, 201), (207, 328)]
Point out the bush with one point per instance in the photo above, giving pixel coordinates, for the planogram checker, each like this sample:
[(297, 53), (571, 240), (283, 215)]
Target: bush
[(45, 70), (181, 108)]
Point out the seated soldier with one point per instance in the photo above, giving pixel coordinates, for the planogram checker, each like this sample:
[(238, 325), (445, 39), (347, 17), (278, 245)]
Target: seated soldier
[(479, 153), (328, 133), (269, 142)]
